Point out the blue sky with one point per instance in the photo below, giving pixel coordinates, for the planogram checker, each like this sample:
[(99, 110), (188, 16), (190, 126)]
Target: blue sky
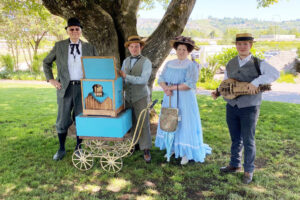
[(284, 10)]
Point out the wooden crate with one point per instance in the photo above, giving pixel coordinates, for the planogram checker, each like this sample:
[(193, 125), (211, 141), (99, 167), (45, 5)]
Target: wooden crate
[(101, 87), (110, 103)]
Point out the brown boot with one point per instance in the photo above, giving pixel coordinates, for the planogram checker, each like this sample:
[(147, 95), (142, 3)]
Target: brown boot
[(247, 177), (230, 169), (147, 156)]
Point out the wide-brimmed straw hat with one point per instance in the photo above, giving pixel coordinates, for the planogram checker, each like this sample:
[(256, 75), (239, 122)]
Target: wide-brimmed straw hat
[(134, 39), (244, 37), (184, 40), (73, 22)]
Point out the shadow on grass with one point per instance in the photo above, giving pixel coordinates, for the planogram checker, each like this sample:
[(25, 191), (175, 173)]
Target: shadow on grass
[(28, 142)]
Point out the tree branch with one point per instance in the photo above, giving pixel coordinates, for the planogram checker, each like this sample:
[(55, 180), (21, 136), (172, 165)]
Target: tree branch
[(124, 16), (172, 25), (98, 25)]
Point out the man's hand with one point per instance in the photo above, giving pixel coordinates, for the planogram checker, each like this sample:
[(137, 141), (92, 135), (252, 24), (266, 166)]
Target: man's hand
[(215, 95), (122, 74), (252, 88), (55, 83)]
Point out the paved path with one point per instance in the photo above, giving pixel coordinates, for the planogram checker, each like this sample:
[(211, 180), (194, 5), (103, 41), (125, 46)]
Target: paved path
[(281, 92), (287, 97)]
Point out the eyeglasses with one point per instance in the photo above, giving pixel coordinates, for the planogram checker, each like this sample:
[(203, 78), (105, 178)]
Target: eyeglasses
[(74, 29)]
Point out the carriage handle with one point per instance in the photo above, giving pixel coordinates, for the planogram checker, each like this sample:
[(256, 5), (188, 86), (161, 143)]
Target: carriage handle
[(142, 117)]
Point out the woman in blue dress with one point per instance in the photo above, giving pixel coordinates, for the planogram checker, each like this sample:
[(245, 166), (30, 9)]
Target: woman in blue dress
[(183, 73)]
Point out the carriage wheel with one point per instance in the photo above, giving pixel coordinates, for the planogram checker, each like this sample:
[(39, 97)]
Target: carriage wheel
[(122, 147), (111, 162), (96, 147), (82, 160)]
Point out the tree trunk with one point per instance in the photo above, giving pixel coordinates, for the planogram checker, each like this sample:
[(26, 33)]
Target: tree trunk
[(108, 24), (37, 42), (25, 57), (17, 55)]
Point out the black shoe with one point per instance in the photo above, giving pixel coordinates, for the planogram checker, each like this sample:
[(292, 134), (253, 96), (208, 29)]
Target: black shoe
[(136, 147), (230, 169), (59, 155), (247, 177)]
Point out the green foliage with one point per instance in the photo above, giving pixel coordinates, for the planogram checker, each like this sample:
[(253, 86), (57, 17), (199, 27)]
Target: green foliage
[(229, 53), (298, 52), (25, 24), (210, 84), (7, 62), (286, 78), (35, 74), (225, 55), (218, 60), (207, 73), (23, 75), (150, 4), (29, 140), (266, 3), (38, 62)]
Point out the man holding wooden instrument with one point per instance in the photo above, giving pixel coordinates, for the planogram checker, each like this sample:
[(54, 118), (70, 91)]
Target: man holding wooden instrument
[(242, 112)]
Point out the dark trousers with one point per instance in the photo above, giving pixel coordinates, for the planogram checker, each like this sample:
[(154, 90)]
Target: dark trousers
[(241, 124), (69, 106)]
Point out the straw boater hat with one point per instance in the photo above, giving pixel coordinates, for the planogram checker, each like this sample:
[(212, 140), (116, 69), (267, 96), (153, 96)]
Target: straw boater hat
[(244, 37), (134, 39), (184, 40)]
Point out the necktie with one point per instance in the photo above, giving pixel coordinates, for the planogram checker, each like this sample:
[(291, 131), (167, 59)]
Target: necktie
[(135, 57), (72, 48)]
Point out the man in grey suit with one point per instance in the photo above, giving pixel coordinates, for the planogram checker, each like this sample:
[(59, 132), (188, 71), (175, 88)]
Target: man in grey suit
[(67, 55)]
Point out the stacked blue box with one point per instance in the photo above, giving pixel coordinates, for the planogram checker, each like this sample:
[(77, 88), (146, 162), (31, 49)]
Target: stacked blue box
[(100, 126), (102, 100)]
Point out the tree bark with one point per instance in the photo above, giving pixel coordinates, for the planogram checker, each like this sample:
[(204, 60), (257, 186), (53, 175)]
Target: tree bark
[(171, 25), (108, 24)]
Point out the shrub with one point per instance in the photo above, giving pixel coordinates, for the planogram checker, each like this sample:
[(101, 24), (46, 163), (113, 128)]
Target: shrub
[(207, 73), (298, 52), (4, 74), (286, 77), (22, 75), (38, 62), (209, 84), (7, 61), (221, 59)]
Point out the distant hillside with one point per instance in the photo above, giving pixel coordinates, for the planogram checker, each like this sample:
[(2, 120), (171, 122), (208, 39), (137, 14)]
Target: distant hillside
[(220, 27)]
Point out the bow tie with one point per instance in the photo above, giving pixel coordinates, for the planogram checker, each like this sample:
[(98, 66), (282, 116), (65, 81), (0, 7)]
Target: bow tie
[(72, 48), (135, 57)]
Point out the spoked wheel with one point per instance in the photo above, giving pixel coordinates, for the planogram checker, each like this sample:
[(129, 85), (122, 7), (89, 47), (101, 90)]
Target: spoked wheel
[(82, 160), (111, 162), (122, 147), (96, 147)]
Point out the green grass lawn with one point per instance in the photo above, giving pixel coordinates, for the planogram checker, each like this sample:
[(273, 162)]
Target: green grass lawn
[(28, 142)]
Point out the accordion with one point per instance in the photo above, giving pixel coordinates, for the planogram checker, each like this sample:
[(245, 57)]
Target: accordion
[(231, 88)]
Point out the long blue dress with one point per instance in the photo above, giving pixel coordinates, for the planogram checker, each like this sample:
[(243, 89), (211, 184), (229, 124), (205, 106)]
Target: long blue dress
[(188, 139)]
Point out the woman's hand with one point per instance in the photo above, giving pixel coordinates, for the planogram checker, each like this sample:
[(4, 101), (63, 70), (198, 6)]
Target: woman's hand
[(167, 91)]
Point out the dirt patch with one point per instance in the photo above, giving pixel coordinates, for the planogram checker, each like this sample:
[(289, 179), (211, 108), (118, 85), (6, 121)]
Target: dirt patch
[(260, 163)]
